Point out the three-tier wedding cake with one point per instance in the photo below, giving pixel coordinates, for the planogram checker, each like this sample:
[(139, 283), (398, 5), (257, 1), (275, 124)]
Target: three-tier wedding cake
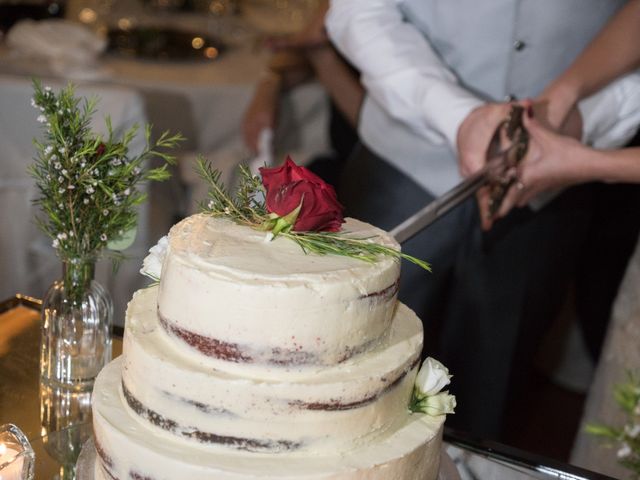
[(252, 359)]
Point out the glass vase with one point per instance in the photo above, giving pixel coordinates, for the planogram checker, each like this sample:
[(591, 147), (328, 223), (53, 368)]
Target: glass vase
[(65, 420), (76, 328)]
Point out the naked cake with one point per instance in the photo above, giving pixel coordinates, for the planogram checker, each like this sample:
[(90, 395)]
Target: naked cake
[(253, 359)]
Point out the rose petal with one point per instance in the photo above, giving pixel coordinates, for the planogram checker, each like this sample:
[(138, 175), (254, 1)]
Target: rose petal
[(289, 185)]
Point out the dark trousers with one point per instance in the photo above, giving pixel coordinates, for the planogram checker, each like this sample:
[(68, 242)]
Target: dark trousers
[(608, 246), (374, 191), (492, 295)]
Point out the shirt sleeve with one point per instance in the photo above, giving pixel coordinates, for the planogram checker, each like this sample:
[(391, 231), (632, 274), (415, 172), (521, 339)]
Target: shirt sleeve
[(612, 116), (399, 68)]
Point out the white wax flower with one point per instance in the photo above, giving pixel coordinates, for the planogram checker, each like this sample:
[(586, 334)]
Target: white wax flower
[(624, 451), (440, 404), (432, 377), (632, 430), (152, 264)]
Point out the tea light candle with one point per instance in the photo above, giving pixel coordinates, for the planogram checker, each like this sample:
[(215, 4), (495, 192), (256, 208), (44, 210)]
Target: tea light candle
[(10, 463)]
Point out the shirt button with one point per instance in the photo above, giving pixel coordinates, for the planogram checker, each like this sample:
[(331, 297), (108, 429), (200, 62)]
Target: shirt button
[(518, 45)]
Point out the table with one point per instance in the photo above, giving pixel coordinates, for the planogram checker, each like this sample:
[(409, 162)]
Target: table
[(45, 416), (56, 422)]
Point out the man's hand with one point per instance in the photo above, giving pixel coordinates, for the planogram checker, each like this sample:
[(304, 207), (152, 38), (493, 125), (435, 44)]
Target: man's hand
[(543, 168), (475, 133)]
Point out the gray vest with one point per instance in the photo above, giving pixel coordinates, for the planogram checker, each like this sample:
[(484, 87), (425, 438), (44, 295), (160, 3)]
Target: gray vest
[(498, 49)]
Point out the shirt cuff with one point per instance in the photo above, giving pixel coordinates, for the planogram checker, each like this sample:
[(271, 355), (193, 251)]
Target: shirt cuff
[(611, 117), (446, 106)]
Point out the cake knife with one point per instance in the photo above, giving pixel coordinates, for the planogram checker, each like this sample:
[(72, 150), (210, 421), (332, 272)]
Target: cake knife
[(506, 149)]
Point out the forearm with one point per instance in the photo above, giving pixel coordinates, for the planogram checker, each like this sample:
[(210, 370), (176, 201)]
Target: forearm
[(611, 54), (268, 87), (576, 163), (291, 67), (614, 166), (340, 81)]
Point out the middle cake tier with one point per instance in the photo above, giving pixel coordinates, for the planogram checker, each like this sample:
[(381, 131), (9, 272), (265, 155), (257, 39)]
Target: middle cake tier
[(303, 409)]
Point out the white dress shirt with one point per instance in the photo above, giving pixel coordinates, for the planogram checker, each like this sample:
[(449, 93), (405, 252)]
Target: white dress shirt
[(427, 63)]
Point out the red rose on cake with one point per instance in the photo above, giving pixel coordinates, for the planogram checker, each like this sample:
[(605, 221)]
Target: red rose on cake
[(291, 186)]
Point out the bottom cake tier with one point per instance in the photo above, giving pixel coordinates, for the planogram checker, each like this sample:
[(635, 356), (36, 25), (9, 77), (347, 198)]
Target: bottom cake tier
[(127, 449)]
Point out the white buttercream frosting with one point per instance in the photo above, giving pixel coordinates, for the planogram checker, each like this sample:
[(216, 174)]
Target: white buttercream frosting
[(126, 446), (254, 360), (331, 409), (268, 302)]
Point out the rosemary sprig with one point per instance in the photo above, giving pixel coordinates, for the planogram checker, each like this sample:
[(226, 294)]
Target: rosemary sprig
[(247, 207), (89, 185), (366, 249), (627, 437)]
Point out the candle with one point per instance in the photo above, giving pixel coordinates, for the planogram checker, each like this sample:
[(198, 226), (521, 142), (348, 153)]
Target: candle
[(13, 460)]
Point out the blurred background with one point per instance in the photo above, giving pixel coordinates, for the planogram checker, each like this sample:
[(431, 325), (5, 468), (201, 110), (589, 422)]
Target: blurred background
[(186, 66)]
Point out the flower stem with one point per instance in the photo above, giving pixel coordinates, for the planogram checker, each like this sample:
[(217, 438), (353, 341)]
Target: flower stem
[(77, 274)]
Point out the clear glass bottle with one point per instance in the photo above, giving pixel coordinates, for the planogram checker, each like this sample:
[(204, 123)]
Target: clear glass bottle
[(65, 418), (75, 328)]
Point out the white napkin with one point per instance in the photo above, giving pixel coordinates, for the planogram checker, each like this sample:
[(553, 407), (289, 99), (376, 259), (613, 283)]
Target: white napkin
[(70, 49)]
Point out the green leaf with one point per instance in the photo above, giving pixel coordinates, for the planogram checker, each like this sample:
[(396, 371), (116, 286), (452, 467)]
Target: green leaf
[(285, 223), (123, 242), (88, 200), (602, 430)]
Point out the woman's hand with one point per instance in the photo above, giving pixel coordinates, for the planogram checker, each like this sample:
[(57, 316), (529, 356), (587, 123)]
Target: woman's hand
[(552, 161)]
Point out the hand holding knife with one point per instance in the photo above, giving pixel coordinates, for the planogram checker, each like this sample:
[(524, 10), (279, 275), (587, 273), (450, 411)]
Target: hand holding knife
[(507, 148)]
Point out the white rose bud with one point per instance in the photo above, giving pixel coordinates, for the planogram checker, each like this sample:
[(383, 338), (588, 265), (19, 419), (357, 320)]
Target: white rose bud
[(152, 264), (440, 404), (432, 377)]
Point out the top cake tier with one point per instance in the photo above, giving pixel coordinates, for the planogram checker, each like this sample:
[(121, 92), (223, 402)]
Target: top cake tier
[(235, 297)]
